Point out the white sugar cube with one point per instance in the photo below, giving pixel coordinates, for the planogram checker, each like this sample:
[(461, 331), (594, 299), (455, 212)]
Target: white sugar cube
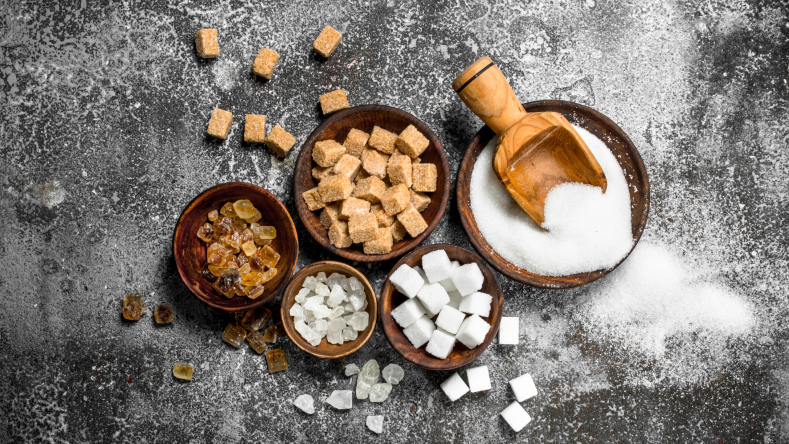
[(523, 387), (515, 416), (454, 299), (441, 343), (478, 378), (468, 278), (508, 331), (476, 303), (454, 387), (472, 331), (407, 280), (420, 331), (437, 266), (433, 298), (408, 312), (450, 319), (447, 283), (421, 273)]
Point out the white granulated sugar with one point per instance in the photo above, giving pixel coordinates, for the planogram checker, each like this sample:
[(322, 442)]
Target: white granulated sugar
[(587, 230)]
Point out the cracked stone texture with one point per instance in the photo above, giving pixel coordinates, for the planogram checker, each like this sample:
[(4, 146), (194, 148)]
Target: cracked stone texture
[(103, 139)]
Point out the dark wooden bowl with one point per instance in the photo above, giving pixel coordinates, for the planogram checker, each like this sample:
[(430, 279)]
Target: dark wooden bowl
[(603, 128), (364, 118), (190, 250), (460, 355), (324, 349)]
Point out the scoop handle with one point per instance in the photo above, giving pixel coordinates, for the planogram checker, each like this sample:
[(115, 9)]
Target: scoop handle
[(485, 90)]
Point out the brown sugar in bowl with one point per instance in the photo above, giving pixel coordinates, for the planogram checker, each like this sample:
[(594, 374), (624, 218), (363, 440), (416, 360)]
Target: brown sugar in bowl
[(324, 349), (460, 355), (190, 251), (364, 118)]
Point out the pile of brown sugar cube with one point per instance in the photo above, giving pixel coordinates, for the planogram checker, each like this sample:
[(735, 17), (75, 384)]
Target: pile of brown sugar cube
[(371, 188)]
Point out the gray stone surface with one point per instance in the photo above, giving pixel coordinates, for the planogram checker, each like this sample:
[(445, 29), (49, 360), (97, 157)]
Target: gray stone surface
[(104, 109)]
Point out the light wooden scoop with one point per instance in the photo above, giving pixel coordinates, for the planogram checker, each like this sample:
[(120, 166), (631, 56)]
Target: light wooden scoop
[(535, 151)]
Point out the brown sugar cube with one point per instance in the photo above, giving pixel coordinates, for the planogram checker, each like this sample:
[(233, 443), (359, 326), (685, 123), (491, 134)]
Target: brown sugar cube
[(347, 166), (399, 169), (419, 200), (333, 101), (338, 235), (411, 142), (416, 161), (256, 342), (382, 140), (254, 128), (334, 188), (219, 125), (374, 163), (318, 173), (327, 152), (206, 43), (396, 199), (328, 40), (363, 228), (265, 62), (353, 207), (382, 244), (313, 199), (280, 141), (330, 215), (398, 231), (276, 360), (424, 177), (384, 220), (361, 176), (413, 222), (370, 189), (355, 142)]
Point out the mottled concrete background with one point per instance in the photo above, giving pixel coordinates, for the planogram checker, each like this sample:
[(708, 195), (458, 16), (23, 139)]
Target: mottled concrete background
[(104, 110)]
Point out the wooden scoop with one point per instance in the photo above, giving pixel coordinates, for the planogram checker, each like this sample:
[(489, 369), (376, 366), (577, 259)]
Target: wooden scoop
[(535, 151)]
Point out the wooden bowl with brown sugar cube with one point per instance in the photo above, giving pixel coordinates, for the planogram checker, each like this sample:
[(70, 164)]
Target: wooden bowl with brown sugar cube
[(191, 251), (371, 183)]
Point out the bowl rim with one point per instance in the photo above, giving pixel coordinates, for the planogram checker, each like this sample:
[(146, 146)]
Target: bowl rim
[(389, 326), (254, 303), (491, 256), (317, 267), (305, 155)]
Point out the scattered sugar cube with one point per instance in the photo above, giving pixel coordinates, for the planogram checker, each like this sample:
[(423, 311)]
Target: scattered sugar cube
[(516, 416), (384, 220), (370, 189), (454, 299), (454, 387), (328, 41), (374, 162), (353, 206), (408, 312), (419, 332), (447, 283), (478, 378), (254, 128), (376, 423), (220, 123), (508, 331), (382, 244), (339, 236), (476, 303), (440, 344), (363, 228), (424, 177), (304, 402), (330, 215), (313, 199), (355, 142), (206, 43), (398, 231), (433, 297), (280, 141), (523, 387), (333, 101), (265, 62), (419, 201), (334, 188), (327, 152), (437, 266), (347, 166), (396, 199), (340, 399), (382, 140), (399, 169), (468, 279), (450, 319), (472, 331), (411, 142), (407, 280)]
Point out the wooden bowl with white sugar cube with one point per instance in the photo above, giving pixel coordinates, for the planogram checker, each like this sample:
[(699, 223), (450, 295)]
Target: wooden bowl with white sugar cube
[(321, 347), (445, 315)]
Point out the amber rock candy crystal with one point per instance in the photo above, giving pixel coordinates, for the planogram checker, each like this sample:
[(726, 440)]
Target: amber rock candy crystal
[(234, 334), (183, 370), (276, 360), (255, 340), (254, 320), (133, 307), (164, 314)]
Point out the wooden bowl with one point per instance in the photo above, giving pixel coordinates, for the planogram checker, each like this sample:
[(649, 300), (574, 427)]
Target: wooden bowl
[(460, 355), (617, 141), (364, 118), (324, 349), (190, 250)]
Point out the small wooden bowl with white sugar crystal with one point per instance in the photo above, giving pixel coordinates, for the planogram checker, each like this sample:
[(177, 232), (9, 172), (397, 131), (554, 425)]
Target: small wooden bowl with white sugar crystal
[(329, 309), (441, 307)]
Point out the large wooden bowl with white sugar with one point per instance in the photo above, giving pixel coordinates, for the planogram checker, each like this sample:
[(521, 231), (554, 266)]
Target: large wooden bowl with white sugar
[(623, 150)]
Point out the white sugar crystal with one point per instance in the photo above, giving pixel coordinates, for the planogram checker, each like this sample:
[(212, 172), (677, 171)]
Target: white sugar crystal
[(301, 296), (523, 387), (478, 378), (321, 277), (334, 279), (309, 316), (433, 297), (516, 416), (296, 310), (441, 344), (340, 399), (376, 423), (309, 282), (408, 312), (454, 387), (306, 332), (347, 318), (508, 331), (476, 303), (313, 302), (349, 334), (472, 331), (349, 308), (315, 342), (450, 319), (351, 369), (336, 297), (321, 289), (334, 331), (321, 311), (367, 377), (468, 278), (336, 312), (299, 319), (437, 266), (359, 320), (393, 374), (304, 402), (380, 391), (407, 280), (321, 326), (419, 332), (357, 301), (345, 284), (355, 286), (364, 306), (454, 299)]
